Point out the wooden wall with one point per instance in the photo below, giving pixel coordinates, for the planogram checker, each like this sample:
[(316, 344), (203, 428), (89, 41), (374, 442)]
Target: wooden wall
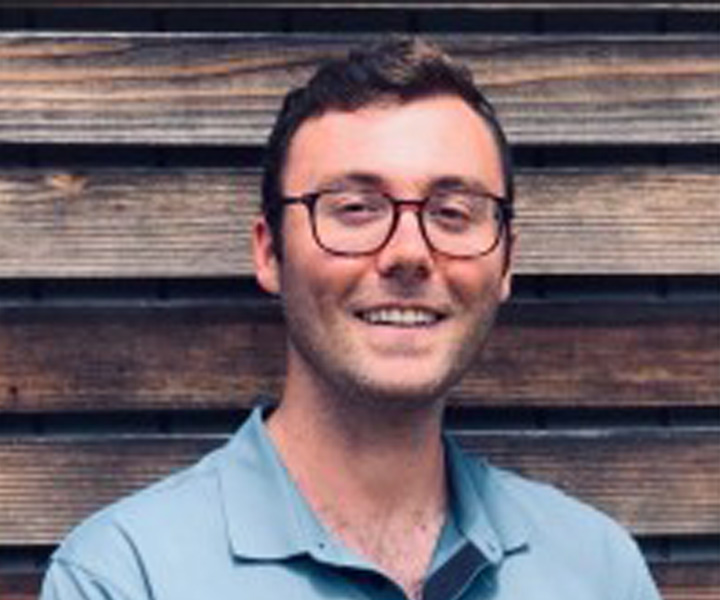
[(133, 338)]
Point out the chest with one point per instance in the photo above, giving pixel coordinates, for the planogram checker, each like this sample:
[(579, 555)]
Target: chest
[(403, 551)]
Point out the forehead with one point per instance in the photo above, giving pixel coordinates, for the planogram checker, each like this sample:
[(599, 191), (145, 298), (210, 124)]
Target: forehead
[(406, 144)]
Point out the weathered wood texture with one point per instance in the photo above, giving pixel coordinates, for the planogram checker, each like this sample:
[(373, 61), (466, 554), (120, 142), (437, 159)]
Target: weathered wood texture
[(63, 365), (353, 5), (617, 471), (85, 360), (20, 585), (195, 222), (224, 88), (691, 581)]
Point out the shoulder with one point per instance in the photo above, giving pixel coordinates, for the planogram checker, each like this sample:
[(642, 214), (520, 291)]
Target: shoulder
[(545, 505), (537, 507), (117, 545), (564, 532)]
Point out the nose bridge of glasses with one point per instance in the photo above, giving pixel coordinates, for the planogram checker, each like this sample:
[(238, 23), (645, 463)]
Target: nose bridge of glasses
[(401, 203), (414, 205)]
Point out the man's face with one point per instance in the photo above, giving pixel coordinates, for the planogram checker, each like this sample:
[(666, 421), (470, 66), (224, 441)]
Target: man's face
[(335, 345)]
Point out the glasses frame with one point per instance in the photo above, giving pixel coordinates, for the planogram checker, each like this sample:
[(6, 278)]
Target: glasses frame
[(504, 213)]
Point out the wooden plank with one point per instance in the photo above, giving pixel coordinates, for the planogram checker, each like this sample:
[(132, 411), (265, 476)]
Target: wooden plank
[(690, 581), (196, 222), (619, 221), (123, 223), (185, 88), (88, 359), (20, 584), (624, 5), (617, 471), (677, 581)]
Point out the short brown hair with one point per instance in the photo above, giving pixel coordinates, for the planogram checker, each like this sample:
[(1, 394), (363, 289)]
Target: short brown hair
[(399, 70)]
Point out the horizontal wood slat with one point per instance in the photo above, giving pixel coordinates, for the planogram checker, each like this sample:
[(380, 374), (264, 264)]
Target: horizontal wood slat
[(619, 221), (224, 88), (691, 581), (87, 360), (351, 5), (617, 471), (678, 581), (196, 222), (20, 584)]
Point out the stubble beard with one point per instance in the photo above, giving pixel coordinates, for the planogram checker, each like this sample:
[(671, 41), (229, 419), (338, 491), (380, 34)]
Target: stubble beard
[(350, 390)]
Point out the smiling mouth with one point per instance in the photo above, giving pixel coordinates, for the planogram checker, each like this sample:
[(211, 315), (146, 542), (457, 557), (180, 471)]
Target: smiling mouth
[(401, 317)]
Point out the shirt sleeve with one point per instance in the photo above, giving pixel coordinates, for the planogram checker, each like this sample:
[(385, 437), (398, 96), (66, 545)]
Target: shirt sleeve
[(67, 581)]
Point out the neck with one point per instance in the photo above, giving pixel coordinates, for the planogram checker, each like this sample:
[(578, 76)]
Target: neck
[(373, 471), (380, 459)]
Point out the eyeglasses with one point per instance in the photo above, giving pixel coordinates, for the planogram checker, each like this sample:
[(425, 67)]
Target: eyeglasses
[(459, 223)]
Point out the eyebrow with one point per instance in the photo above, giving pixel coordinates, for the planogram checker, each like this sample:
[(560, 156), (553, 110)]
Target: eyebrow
[(373, 180), (358, 178), (452, 182)]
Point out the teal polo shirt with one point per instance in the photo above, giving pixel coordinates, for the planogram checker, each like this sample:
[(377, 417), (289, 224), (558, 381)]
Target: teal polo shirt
[(234, 526)]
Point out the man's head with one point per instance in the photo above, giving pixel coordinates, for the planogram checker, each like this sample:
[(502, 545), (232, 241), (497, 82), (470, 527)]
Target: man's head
[(397, 71), (392, 190)]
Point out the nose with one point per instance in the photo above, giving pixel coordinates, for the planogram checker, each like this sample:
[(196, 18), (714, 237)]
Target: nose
[(406, 256)]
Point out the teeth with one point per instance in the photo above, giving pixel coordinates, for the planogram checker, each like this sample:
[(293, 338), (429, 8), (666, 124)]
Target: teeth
[(406, 317)]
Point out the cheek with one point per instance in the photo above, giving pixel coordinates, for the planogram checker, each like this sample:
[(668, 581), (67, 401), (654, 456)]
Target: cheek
[(317, 282), (474, 283), (332, 281)]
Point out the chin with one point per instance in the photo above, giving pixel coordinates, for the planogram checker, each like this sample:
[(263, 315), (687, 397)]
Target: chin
[(392, 393)]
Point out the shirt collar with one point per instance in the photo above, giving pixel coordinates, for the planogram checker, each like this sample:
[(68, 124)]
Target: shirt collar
[(483, 510), (268, 518)]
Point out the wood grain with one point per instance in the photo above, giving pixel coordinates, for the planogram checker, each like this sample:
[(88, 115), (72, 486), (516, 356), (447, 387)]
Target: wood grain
[(21, 584), (617, 471), (689, 581), (619, 221), (225, 88), (88, 359), (196, 222), (623, 5)]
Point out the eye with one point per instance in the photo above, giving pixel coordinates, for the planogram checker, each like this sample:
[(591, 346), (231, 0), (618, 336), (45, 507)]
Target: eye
[(353, 207), (454, 212)]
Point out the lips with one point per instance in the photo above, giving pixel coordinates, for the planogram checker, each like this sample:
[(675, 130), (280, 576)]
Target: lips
[(401, 316)]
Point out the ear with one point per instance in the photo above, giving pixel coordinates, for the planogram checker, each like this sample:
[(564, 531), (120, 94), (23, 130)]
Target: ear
[(509, 259), (267, 271)]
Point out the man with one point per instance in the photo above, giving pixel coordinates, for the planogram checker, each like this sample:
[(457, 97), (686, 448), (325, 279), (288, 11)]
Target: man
[(386, 231)]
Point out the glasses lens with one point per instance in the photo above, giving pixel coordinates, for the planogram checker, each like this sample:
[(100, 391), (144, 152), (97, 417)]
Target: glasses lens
[(462, 223), (352, 221), (457, 223)]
